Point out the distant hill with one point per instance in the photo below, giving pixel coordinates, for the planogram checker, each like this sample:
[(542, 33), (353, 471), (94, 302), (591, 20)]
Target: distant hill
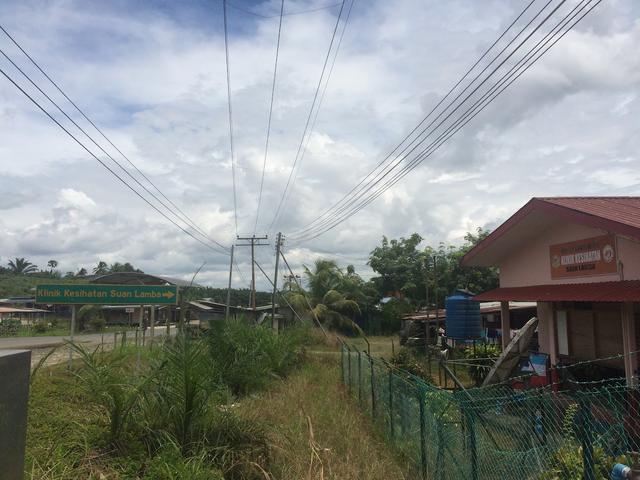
[(16, 285)]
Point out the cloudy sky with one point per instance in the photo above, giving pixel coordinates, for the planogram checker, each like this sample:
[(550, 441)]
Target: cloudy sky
[(151, 74)]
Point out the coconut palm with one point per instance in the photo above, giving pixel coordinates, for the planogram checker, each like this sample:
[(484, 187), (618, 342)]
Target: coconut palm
[(21, 266), (52, 264), (325, 298), (101, 269)]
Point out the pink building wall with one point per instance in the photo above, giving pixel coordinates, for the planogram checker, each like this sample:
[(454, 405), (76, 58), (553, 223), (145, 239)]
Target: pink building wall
[(529, 263)]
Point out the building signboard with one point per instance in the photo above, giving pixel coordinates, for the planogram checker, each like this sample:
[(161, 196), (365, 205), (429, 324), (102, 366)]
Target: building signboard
[(107, 294), (584, 258)]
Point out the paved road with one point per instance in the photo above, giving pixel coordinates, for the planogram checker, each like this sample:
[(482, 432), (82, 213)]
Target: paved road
[(33, 343)]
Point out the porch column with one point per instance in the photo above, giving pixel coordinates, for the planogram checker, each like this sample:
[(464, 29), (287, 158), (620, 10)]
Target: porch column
[(505, 324), (629, 345)]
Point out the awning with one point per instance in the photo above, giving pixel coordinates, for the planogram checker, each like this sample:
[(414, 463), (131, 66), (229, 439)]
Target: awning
[(623, 291)]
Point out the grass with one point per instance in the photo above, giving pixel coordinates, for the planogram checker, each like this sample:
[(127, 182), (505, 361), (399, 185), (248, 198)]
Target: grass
[(170, 414), (316, 431)]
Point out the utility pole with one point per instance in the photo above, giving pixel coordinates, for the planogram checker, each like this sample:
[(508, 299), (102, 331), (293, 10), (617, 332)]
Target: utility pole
[(275, 277), (252, 242), (226, 314), (435, 290), (426, 296)]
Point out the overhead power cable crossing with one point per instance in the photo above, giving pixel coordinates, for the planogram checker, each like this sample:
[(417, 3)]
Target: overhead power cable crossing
[(351, 204), (306, 127), (266, 144), (230, 112), (180, 216), (53, 119)]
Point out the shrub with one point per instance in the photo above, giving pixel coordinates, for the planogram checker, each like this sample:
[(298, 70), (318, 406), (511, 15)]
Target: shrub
[(246, 356), (406, 360), (484, 357), (40, 327)]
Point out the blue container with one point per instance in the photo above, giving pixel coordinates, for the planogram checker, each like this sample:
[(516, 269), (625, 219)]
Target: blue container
[(463, 320)]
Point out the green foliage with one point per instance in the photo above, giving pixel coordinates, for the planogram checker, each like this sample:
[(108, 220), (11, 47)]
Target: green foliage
[(21, 266), (169, 464), (406, 269), (178, 395), (14, 285), (484, 357), (239, 296), (104, 377), (90, 317), (40, 326), (391, 315), (407, 360), (567, 463), (245, 357)]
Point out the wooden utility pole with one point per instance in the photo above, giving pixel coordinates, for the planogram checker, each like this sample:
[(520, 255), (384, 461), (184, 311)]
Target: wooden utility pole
[(252, 242), (275, 277), (226, 314), (426, 296)]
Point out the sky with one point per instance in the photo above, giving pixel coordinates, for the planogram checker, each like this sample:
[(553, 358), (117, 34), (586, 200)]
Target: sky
[(151, 75)]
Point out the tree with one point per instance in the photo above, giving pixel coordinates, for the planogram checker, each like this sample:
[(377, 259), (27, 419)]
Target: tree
[(326, 295), (82, 272), (101, 269), (405, 268), (20, 266), (52, 264), (399, 264)]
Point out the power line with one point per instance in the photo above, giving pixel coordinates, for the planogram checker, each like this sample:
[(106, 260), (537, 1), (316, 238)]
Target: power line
[(266, 145), (315, 97), (486, 52), (300, 12), (324, 91), (233, 165), (421, 156), (473, 111), (53, 119), (184, 218)]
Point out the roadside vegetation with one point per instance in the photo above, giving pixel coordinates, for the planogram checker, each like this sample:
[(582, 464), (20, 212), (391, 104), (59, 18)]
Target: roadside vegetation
[(196, 408)]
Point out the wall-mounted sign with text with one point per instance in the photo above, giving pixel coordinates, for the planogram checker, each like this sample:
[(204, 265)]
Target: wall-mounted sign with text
[(583, 258)]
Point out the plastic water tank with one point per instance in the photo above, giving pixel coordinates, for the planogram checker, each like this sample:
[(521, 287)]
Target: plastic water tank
[(463, 320)]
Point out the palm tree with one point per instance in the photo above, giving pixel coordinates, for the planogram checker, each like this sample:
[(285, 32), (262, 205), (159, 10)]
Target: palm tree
[(21, 266), (101, 269), (82, 272), (52, 264), (325, 299)]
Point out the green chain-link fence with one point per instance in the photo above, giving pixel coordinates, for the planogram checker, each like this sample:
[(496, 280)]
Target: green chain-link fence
[(578, 431)]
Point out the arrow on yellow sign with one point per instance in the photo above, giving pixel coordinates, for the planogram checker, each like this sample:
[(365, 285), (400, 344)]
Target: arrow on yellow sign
[(168, 294)]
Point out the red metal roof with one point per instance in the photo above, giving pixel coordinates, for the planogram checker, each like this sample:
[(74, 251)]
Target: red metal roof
[(615, 214), (623, 291)]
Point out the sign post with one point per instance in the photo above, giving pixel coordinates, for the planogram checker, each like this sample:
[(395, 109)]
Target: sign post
[(73, 327)]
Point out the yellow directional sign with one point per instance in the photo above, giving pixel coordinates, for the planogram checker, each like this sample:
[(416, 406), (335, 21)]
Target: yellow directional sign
[(107, 294)]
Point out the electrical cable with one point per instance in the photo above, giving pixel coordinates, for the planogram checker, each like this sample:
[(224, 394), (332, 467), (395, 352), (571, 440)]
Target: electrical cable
[(300, 12), (422, 155), (230, 110), (355, 191), (86, 117), (53, 119), (465, 116), (30, 80), (266, 145), (315, 97), (324, 91)]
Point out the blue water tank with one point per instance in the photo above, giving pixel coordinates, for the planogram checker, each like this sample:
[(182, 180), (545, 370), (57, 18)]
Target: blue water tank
[(463, 320)]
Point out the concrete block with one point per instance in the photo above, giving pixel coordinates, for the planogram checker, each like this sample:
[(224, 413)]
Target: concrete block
[(15, 366)]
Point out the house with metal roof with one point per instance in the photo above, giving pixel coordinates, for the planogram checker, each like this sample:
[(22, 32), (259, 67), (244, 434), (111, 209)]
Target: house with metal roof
[(578, 258)]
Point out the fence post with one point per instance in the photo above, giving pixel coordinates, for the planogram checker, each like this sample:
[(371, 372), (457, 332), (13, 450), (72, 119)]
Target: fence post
[(349, 369), (373, 389), (423, 430), (359, 376), (391, 429), (587, 439)]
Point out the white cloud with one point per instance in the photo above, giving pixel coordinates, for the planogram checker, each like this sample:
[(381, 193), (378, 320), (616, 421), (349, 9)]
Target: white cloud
[(155, 81)]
